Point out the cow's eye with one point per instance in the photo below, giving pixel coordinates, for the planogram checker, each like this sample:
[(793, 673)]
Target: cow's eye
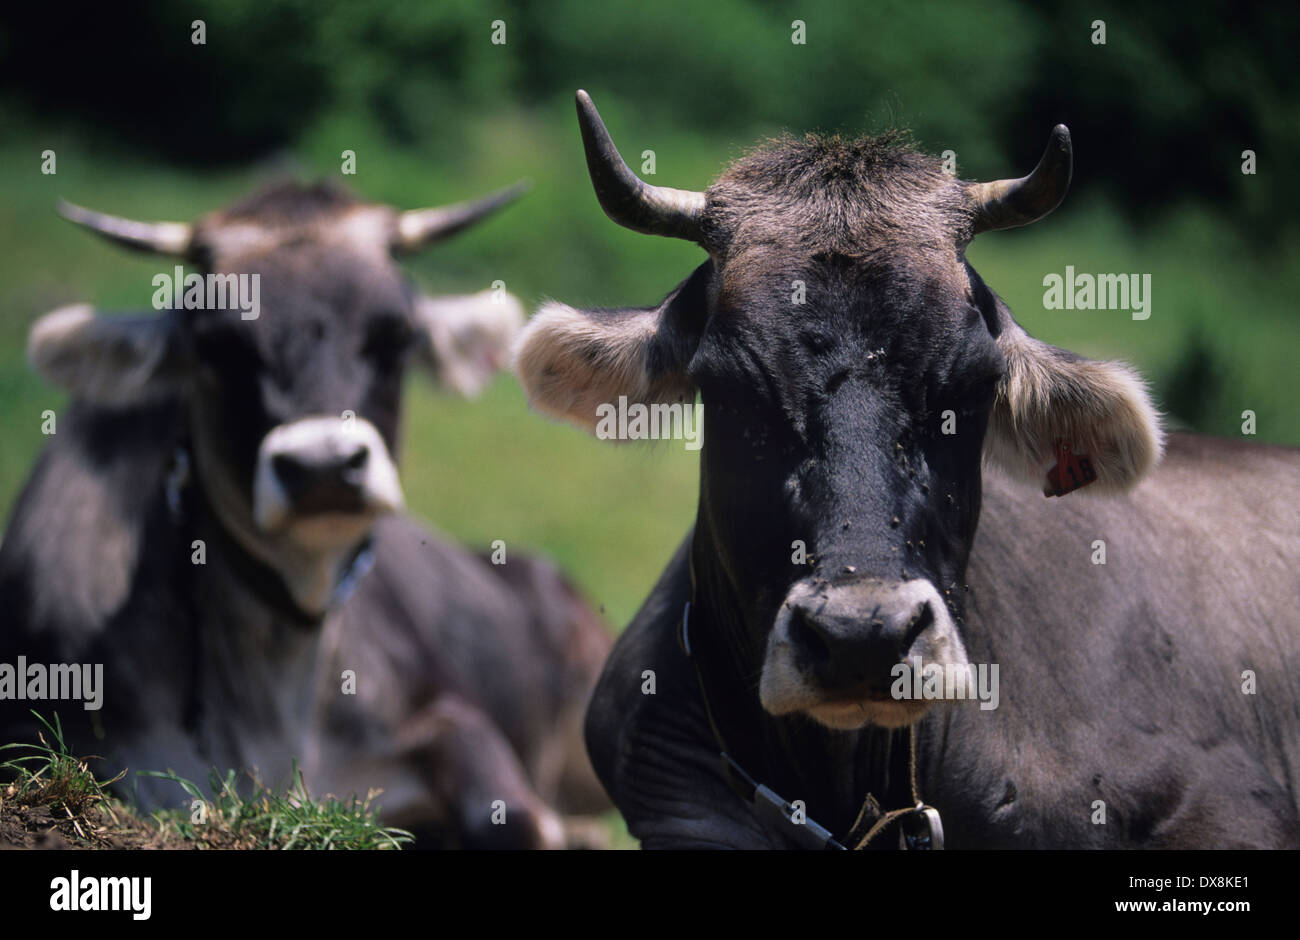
[(226, 351), (978, 393), (389, 336)]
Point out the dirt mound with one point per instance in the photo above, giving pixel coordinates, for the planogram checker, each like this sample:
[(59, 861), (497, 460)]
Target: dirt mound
[(54, 827)]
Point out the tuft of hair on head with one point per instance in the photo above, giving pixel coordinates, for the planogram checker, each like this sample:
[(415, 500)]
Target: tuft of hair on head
[(291, 202)]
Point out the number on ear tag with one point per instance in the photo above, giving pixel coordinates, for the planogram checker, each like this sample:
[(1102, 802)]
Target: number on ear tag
[(1071, 472), (921, 830)]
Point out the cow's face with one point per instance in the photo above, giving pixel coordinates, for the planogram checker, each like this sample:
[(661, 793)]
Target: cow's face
[(855, 372), (291, 366)]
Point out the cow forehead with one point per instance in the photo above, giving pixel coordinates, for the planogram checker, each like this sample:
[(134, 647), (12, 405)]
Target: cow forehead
[(319, 308), (231, 241), (919, 286), (329, 262), (907, 318), (767, 267), (818, 195)]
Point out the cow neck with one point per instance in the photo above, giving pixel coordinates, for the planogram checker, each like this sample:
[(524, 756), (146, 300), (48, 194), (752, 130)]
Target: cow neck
[(193, 510), (804, 763), (191, 515)]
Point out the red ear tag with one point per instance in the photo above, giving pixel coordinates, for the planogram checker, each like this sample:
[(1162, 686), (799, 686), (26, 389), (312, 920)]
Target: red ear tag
[(1071, 472)]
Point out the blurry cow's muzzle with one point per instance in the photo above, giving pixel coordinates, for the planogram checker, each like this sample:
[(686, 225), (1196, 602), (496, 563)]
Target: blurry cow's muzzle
[(834, 647), (323, 469)]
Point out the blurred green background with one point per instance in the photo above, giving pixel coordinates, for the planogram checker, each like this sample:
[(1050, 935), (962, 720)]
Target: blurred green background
[(146, 124)]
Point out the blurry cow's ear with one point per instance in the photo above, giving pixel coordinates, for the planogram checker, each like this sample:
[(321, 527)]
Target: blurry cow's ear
[(1100, 410), (570, 362), (467, 338), (113, 361)]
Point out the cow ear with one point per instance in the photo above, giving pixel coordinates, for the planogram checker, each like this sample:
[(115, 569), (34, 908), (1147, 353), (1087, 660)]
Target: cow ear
[(1100, 410), (570, 362), (467, 338), (113, 361)]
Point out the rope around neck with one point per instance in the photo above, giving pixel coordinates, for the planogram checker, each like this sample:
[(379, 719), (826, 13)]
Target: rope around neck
[(887, 818), (869, 802)]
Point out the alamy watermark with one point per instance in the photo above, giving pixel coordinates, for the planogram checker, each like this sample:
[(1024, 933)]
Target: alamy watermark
[(76, 892), (181, 291), (657, 421), (1098, 292), (58, 681), (945, 681)]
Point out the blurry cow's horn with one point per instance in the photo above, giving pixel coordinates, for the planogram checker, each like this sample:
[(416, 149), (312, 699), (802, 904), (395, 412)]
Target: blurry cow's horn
[(420, 227), (164, 238), (1008, 203), (654, 210)]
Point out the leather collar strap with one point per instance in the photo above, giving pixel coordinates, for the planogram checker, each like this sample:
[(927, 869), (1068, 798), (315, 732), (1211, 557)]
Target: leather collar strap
[(926, 829)]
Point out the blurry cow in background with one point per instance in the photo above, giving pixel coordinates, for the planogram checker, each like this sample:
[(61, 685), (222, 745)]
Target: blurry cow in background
[(218, 521)]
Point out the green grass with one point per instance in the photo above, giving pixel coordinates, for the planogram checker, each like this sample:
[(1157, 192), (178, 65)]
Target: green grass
[(611, 515), (47, 775), (270, 820)]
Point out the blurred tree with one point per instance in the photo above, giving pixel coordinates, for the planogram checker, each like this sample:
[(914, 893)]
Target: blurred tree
[(1161, 111)]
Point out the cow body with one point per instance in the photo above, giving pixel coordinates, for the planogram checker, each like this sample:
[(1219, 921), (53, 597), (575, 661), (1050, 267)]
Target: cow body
[(1104, 694), (879, 432), (203, 670), (218, 523)]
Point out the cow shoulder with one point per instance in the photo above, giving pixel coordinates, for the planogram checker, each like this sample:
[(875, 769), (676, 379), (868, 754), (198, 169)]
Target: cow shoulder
[(76, 535), (568, 631), (433, 619), (649, 738), (1136, 696)]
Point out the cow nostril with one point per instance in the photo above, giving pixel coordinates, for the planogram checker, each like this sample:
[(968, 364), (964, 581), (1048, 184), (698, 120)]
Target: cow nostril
[(352, 472), (920, 622), (808, 636), (289, 470), (309, 478)]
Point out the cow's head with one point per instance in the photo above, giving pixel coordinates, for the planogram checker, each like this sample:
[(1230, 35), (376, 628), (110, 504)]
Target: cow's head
[(855, 372), (291, 364)]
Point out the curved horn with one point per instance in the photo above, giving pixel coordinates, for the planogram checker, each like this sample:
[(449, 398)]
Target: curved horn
[(653, 210), (164, 238), (420, 227), (1008, 203)]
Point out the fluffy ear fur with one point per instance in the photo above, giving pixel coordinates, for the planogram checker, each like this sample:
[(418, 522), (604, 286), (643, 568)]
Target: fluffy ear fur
[(572, 361), (468, 337), (112, 361), (1100, 409)]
